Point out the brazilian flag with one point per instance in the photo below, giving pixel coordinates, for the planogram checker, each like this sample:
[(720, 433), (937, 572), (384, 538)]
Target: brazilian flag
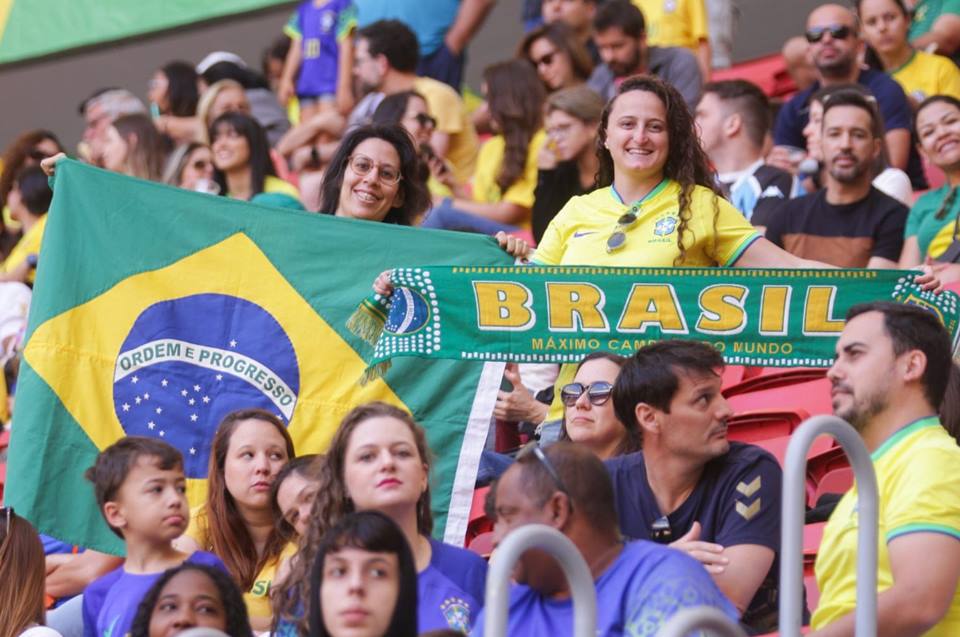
[(157, 311), (32, 28)]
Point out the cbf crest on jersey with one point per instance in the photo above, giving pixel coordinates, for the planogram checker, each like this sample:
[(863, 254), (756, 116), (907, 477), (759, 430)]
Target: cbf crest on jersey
[(188, 362)]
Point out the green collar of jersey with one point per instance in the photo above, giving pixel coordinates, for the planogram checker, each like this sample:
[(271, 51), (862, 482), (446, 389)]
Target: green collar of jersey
[(903, 432)]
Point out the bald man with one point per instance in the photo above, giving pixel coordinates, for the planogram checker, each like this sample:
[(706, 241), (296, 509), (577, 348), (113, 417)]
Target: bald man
[(834, 46)]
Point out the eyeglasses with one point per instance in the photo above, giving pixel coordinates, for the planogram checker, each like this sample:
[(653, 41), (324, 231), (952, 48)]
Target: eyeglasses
[(660, 531), (532, 448), (597, 393), (836, 31), (425, 120), (619, 236), (362, 165), (545, 60)]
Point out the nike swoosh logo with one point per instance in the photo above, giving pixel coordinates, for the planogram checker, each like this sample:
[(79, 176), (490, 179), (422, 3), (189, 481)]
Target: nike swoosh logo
[(577, 235)]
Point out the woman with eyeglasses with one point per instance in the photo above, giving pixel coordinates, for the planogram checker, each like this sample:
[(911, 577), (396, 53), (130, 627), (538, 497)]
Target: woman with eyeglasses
[(243, 168), (561, 59), (410, 110), (932, 233), (589, 419), (375, 176), (22, 611), (886, 24), (568, 161), (379, 460)]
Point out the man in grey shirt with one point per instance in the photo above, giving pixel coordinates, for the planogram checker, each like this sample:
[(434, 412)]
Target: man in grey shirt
[(620, 36)]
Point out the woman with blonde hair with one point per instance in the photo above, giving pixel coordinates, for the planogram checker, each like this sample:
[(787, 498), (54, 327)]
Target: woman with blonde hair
[(22, 572), (134, 147)]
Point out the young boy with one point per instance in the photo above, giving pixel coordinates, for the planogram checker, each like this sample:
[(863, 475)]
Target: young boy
[(140, 489)]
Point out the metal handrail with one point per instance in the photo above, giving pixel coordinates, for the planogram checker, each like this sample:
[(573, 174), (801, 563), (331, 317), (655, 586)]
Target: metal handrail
[(706, 618), (791, 542), (545, 538)]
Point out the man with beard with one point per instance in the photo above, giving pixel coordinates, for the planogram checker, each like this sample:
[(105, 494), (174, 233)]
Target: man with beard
[(620, 36), (889, 378), (639, 585), (849, 223), (690, 487), (835, 44)]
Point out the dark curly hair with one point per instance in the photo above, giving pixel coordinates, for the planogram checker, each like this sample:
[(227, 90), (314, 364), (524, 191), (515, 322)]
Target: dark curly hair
[(416, 198), (687, 163), (238, 623)]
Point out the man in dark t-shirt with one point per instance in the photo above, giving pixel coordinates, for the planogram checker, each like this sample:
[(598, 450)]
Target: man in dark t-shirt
[(849, 224), (690, 487), (832, 31)]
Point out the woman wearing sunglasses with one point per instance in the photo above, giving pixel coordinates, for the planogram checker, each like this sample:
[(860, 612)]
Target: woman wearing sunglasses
[(921, 74), (410, 110), (561, 60), (190, 166), (375, 176), (589, 419)]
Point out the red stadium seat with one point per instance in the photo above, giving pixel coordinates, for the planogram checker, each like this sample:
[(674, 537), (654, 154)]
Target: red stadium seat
[(812, 396), (771, 430), (478, 522), (836, 481), (764, 378), (768, 72), (4, 440), (482, 545), (732, 375), (820, 465)]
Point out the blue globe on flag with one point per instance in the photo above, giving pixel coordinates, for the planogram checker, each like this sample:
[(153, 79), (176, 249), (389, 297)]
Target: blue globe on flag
[(409, 312), (188, 362)]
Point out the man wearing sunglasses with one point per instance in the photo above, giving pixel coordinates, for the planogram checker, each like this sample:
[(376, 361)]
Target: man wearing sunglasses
[(639, 585), (835, 44), (690, 487)]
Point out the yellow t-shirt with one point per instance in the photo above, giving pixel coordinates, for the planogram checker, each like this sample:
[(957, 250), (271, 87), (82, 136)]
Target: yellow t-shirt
[(257, 599), (926, 74), (578, 236), (489, 162), (27, 245), (674, 22), (446, 106), (919, 493)]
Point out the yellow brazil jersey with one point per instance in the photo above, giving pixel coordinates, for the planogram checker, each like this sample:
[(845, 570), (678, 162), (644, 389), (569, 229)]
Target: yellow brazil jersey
[(926, 74), (674, 22), (257, 599), (448, 109), (489, 162), (27, 245), (919, 493), (578, 236)]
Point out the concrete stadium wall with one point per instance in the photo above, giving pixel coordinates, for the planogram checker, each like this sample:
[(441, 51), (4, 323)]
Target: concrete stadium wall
[(45, 93)]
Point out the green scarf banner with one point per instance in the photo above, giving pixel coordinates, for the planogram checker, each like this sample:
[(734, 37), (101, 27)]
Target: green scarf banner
[(778, 318)]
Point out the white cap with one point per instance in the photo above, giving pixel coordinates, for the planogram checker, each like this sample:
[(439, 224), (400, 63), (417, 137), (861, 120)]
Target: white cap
[(219, 56)]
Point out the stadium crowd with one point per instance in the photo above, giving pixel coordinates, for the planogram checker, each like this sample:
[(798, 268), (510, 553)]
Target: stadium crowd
[(604, 123)]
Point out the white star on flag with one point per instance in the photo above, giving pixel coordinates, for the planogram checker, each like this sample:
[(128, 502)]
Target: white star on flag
[(193, 451), (151, 425), (137, 400), (126, 406), (134, 380), (193, 418), (191, 402), (219, 376), (162, 433), (233, 343), (163, 383), (183, 392), (159, 410), (206, 399), (196, 388), (146, 396)]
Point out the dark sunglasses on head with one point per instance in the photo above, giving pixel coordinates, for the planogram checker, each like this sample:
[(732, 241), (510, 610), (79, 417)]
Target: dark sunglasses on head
[(597, 393), (836, 31), (660, 531), (532, 448)]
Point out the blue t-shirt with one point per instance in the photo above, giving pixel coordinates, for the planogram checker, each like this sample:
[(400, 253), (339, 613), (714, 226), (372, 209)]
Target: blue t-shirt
[(636, 595), (891, 100), (429, 19), (450, 590), (110, 602), (318, 29), (737, 501)]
